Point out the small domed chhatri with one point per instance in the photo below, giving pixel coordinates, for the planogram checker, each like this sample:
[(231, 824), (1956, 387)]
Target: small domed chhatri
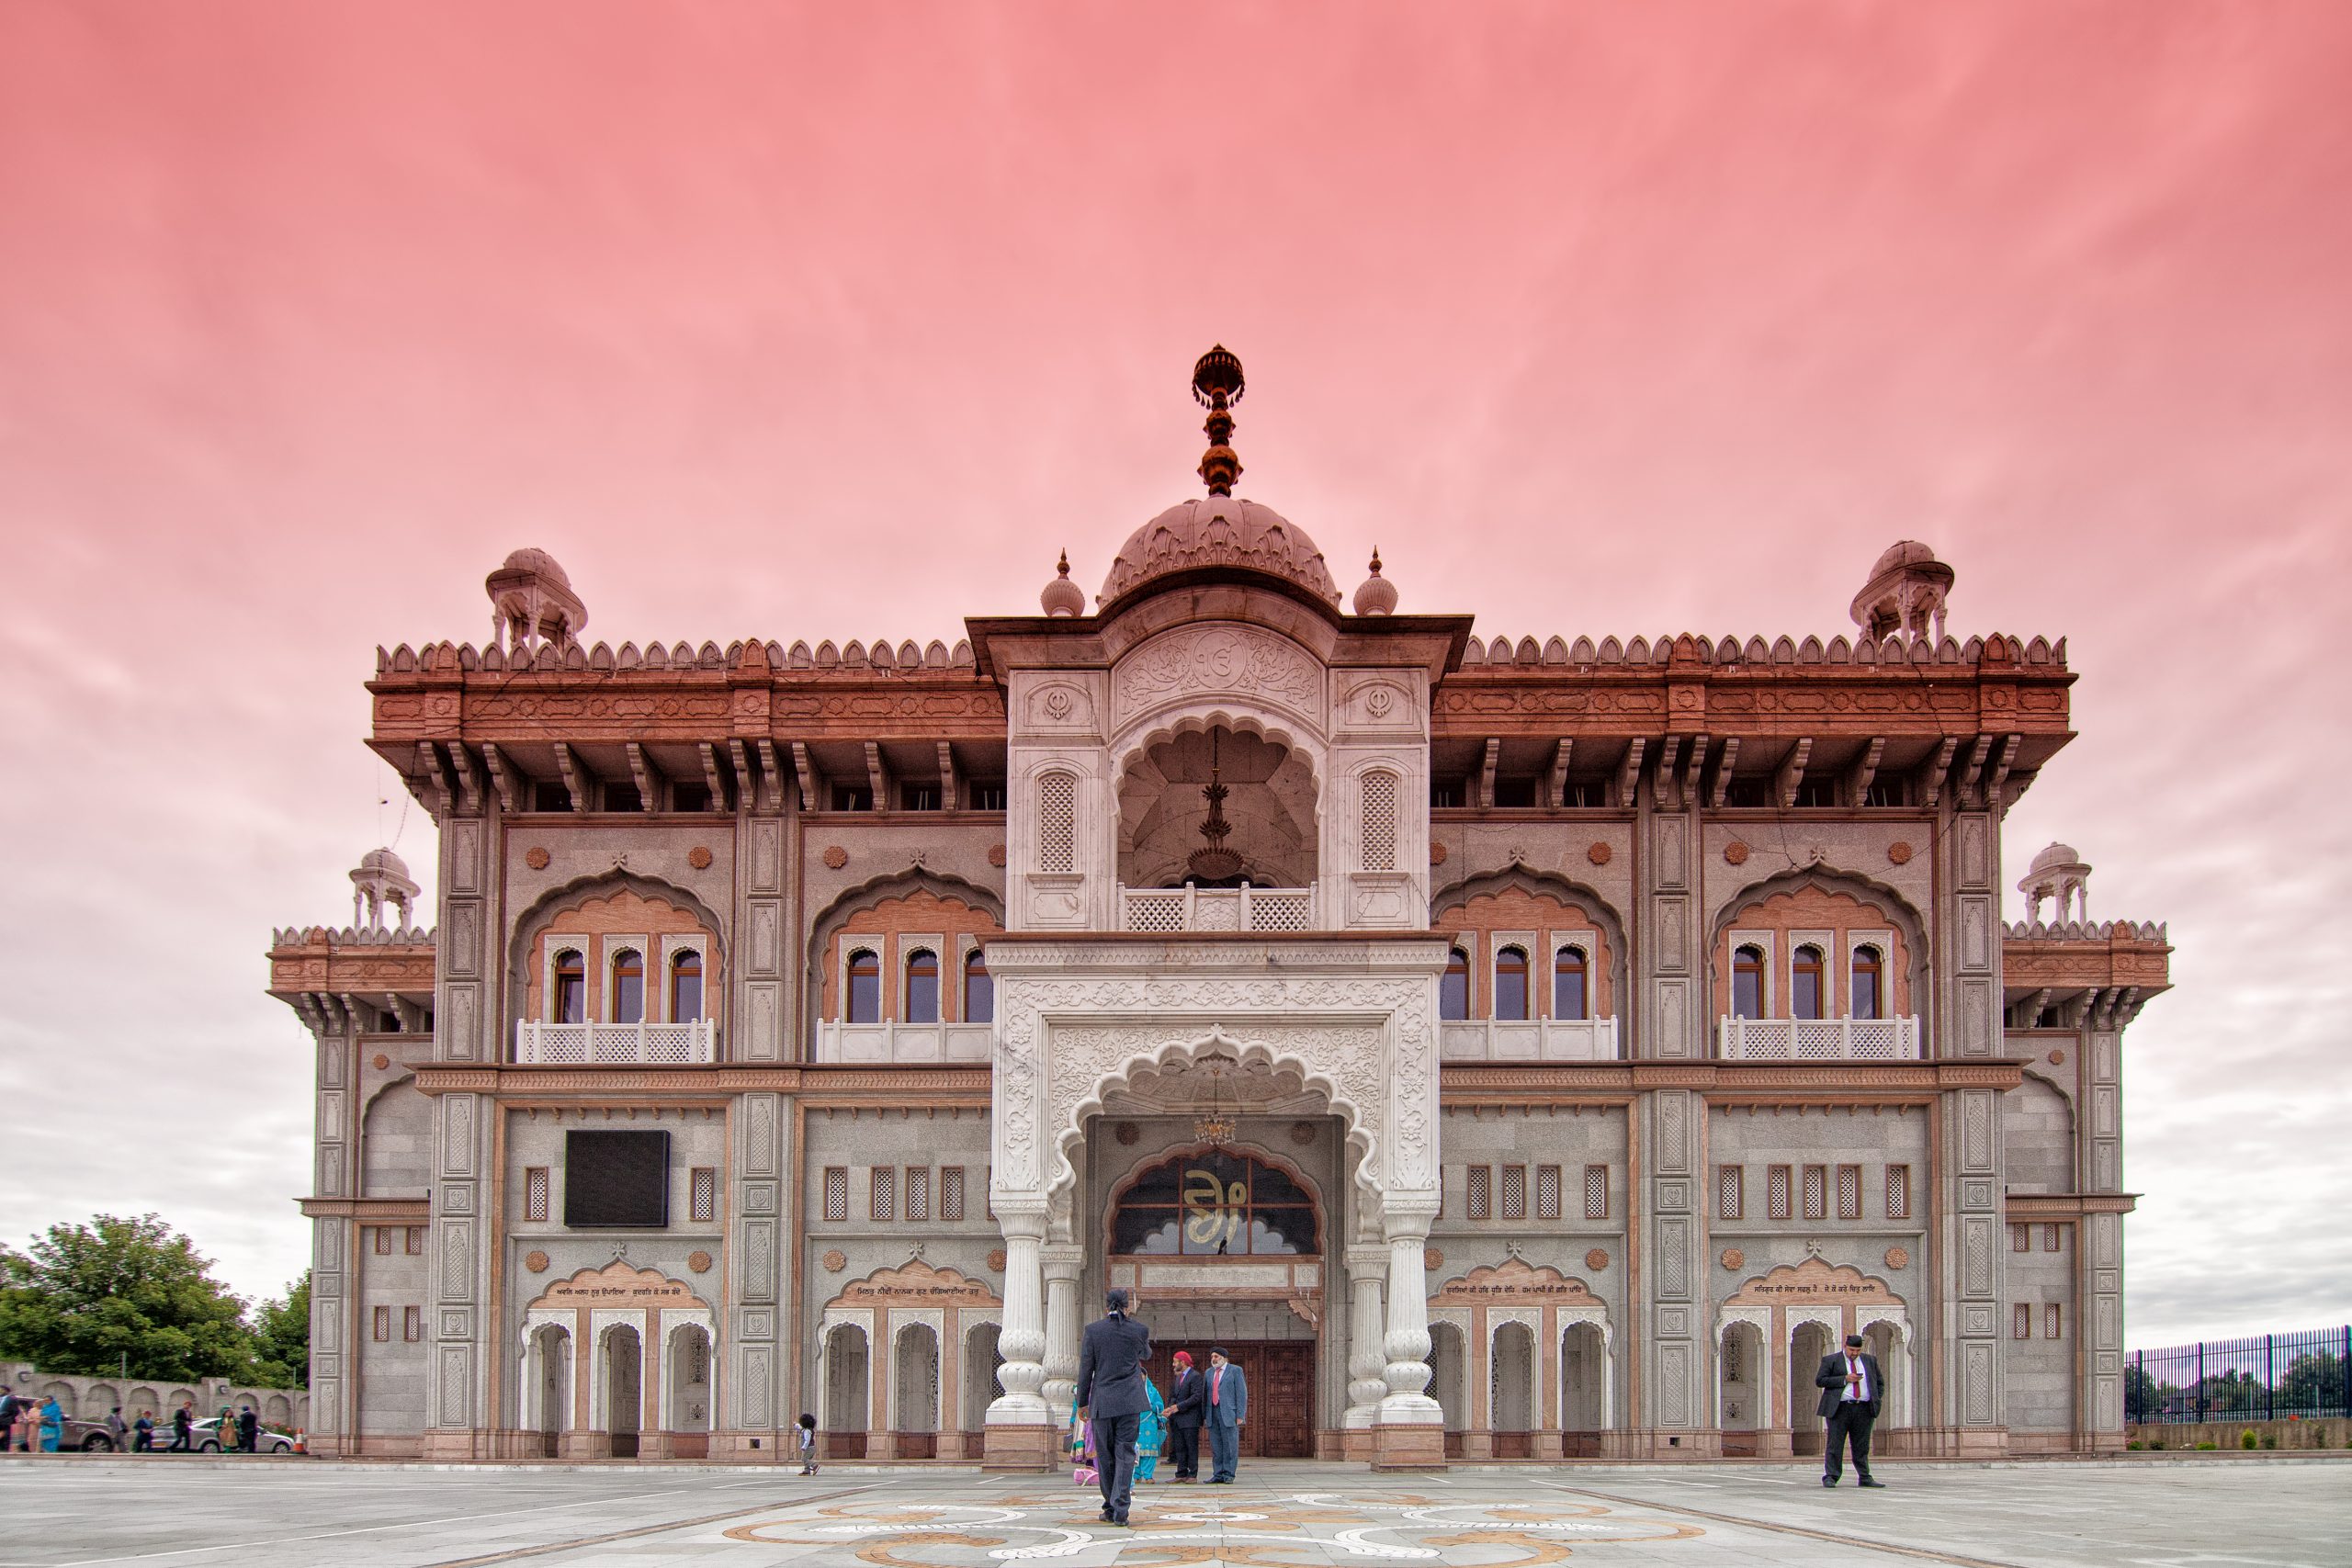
[(381, 883), (530, 598), (1906, 593), (2059, 872)]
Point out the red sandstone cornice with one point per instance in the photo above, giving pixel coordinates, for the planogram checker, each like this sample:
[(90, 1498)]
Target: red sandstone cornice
[(371, 1210), (2067, 1205), (320, 961)]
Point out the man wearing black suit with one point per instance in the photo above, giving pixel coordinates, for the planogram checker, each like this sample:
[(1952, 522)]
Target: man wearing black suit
[(1851, 1390), (1111, 1399), (1185, 1414)]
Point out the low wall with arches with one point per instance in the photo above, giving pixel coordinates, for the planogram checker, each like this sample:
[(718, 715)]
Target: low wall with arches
[(90, 1399)]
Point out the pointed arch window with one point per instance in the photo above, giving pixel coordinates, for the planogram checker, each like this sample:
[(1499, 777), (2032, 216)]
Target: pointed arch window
[(571, 1001), (1453, 988), (979, 991), (1510, 983), (1805, 983), (1747, 983), (1868, 994), (922, 987), (864, 999), (629, 987), (1571, 984), (685, 986)]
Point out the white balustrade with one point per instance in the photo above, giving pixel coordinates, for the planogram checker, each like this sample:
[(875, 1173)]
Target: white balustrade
[(1529, 1040), (616, 1044), (1242, 908), (892, 1042), (1819, 1040)]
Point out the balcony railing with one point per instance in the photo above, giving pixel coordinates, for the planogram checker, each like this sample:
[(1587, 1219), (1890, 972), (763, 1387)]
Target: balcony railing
[(1242, 908), (1530, 1040), (893, 1042), (616, 1044), (1819, 1040)]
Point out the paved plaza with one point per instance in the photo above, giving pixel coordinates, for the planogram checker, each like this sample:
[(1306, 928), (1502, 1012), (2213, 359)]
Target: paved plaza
[(81, 1513)]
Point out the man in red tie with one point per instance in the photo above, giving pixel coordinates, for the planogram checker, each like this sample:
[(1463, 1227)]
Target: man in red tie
[(1228, 1406), (1851, 1390)]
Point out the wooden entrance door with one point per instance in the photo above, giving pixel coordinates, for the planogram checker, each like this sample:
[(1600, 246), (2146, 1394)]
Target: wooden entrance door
[(1281, 1374)]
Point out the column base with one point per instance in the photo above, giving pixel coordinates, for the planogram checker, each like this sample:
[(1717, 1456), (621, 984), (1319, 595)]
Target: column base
[(447, 1446), (1027, 1449), (1360, 1445), (752, 1447), (1674, 1443), (1409, 1447)]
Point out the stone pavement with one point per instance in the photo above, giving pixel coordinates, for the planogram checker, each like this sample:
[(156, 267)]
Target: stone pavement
[(78, 1513)]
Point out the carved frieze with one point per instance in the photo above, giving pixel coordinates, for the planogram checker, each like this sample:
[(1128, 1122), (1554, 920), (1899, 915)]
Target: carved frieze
[(1231, 659)]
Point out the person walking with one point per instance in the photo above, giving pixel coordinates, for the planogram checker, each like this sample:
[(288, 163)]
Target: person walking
[(1184, 1417), (1111, 1399), (1227, 1407), (183, 1428), (225, 1429), (118, 1432), (1851, 1389), (142, 1433), (52, 1425), (249, 1430), (805, 1435)]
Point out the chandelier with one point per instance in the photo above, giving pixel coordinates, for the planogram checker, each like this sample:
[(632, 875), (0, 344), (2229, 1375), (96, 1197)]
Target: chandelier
[(1214, 1126)]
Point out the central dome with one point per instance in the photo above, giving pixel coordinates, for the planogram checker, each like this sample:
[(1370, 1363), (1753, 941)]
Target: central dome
[(1217, 530)]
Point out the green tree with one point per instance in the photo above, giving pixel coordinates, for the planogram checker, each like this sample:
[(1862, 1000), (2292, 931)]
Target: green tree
[(2313, 1383), (282, 1336), (83, 1297)]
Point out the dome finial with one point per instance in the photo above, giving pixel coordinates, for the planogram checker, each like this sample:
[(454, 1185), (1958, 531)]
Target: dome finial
[(1375, 595), (1063, 597), (1217, 383)]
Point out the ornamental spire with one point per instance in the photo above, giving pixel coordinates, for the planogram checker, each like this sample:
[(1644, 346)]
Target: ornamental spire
[(1216, 383)]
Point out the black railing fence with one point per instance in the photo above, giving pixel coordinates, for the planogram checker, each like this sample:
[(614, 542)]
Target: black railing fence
[(2271, 1377)]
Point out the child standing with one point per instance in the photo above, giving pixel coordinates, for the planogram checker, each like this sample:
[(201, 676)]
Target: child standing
[(806, 1435)]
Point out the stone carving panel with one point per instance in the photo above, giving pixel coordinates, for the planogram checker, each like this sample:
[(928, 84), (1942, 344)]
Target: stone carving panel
[(1218, 659)]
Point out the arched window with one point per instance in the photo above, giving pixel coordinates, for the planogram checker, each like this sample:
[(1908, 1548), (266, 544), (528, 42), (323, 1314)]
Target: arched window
[(629, 987), (1571, 988), (1510, 983), (1214, 1204), (1453, 990), (685, 986), (864, 987), (979, 991), (570, 1004), (1747, 983), (922, 987), (1805, 983), (1870, 973)]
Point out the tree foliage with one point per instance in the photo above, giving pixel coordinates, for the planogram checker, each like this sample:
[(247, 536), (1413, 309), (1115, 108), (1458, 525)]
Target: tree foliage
[(85, 1298), (282, 1336)]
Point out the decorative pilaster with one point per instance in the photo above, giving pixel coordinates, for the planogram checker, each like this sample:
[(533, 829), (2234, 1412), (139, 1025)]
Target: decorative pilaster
[(2099, 1242), (1969, 1019), (1062, 1265), (1020, 1431), (461, 1403), (751, 1403), (1672, 1330)]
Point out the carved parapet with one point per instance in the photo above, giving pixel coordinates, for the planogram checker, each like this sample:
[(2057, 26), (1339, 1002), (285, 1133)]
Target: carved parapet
[(2070, 958)]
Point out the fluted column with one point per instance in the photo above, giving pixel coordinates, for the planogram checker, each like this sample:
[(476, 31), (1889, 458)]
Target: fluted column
[(1062, 1265), (1413, 1428), (1367, 1352), (1019, 1425)]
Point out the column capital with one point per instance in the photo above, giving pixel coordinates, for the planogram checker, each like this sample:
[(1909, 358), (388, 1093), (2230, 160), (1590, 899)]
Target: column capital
[(1062, 1261)]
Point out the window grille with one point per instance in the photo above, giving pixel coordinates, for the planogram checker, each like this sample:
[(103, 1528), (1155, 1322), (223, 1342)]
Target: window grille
[(383, 1325), (1057, 822), (2021, 1322), (1547, 1191), (2052, 1320), (1514, 1192), (1849, 1191), (416, 1241), (1596, 1192), (1731, 1359), (1776, 1191), (2020, 1238), (535, 1193), (884, 1194), (1481, 1190), (2050, 1242), (1380, 821), (951, 1192), (1730, 1196), (1898, 1192), (919, 1193), (384, 1241), (836, 1192), (701, 1192), (1816, 1193), (412, 1324)]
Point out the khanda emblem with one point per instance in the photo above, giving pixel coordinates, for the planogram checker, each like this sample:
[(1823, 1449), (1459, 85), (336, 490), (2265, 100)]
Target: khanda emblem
[(1211, 1209)]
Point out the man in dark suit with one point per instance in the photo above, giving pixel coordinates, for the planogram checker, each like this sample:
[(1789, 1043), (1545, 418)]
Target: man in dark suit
[(1185, 1414), (1111, 1401), (1226, 1406), (1851, 1392)]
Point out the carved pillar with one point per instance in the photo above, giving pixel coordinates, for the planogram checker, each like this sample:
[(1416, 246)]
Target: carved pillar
[(749, 1405), (1667, 1221), (2098, 1240), (1019, 1426), (1062, 1266), (1367, 1352), (1968, 1017), (1413, 1428)]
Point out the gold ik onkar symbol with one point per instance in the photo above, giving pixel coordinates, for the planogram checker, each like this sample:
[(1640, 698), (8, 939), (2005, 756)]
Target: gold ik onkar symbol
[(1212, 1211)]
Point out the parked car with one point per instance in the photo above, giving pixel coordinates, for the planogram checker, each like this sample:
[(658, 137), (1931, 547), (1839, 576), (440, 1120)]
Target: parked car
[(205, 1438), (90, 1437)]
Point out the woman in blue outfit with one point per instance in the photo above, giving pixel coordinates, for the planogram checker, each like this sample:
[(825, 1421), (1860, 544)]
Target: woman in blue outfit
[(1148, 1433)]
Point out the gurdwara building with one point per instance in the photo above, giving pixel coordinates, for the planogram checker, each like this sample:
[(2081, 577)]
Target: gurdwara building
[(1505, 1048)]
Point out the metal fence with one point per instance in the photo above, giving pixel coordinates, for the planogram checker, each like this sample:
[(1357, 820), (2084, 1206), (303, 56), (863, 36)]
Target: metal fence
[(2271, 1377)]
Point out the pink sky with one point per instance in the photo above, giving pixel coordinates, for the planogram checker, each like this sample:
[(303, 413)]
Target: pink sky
[(826, 321)]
